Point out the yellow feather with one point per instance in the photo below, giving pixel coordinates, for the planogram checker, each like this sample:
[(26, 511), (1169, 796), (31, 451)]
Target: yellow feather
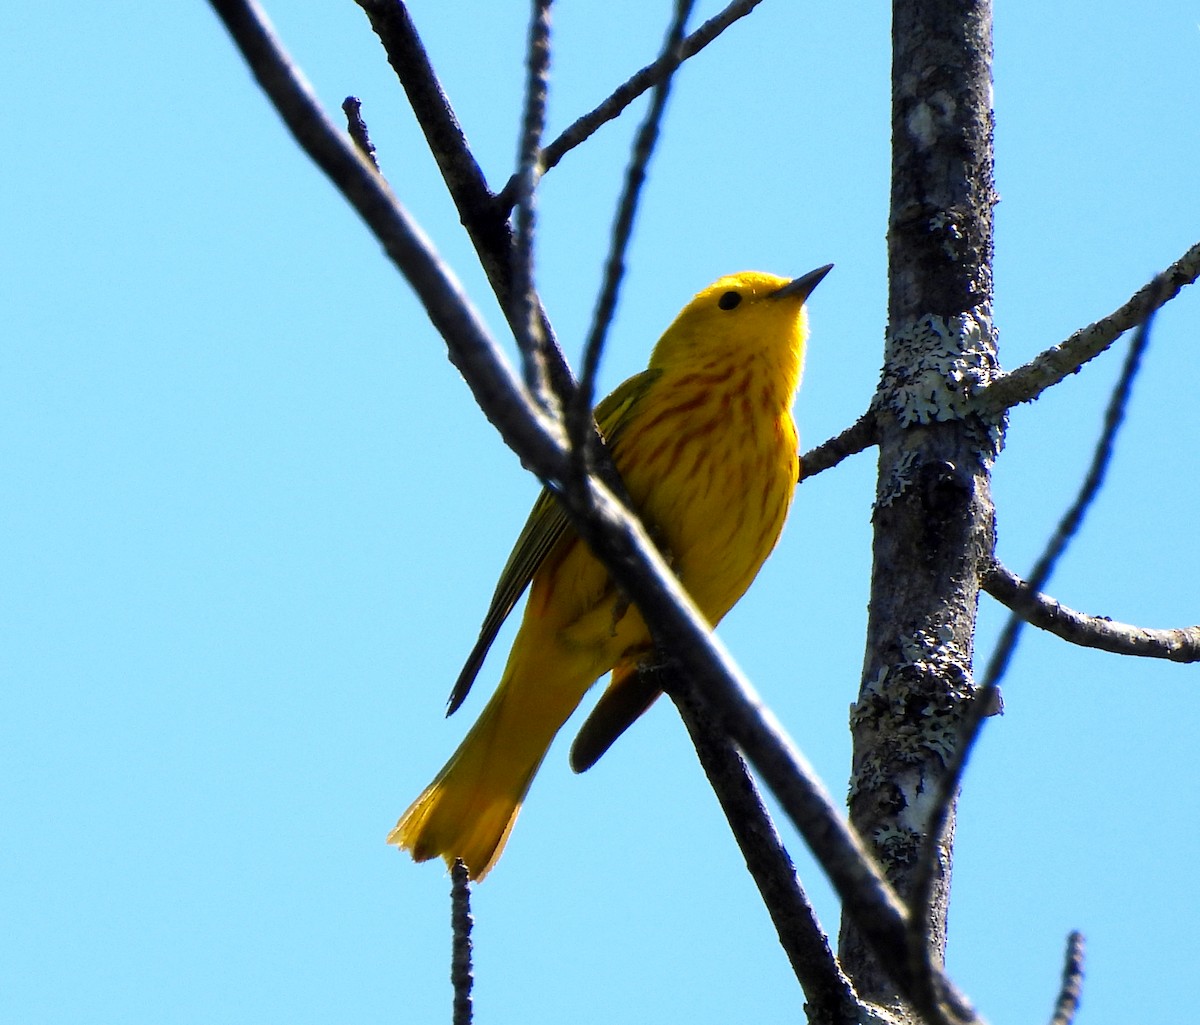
[(706, 446)]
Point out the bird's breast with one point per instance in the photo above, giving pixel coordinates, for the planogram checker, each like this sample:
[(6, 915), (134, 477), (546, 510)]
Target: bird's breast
[(712, 466)]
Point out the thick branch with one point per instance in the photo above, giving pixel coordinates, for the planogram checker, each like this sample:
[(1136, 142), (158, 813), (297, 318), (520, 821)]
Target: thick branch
[(1042, 611), (933, 513), (1050, 367), (647, 78)]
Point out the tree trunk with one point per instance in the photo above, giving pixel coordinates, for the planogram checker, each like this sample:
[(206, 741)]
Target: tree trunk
[(933, 514)]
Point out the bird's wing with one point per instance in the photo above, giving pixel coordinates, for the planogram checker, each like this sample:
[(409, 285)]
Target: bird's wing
[(545, 527)]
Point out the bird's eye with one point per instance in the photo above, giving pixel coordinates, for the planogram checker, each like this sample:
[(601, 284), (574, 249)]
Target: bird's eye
[(729, 300)]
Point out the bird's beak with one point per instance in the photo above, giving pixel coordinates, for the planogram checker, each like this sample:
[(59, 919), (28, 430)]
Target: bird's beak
[(801, 288)]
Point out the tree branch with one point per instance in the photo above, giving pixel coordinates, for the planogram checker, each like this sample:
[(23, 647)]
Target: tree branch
[(933, 514), (1050, 367), (357, 127), (858, 436), (579, 412), (614, 535), (647, 78), (830, 996), (462, 975), (984, 701), (471, 347), (680, 629), (527, 316), (1040, 610), (1071, 520), (485, 221), (1067, 1004)]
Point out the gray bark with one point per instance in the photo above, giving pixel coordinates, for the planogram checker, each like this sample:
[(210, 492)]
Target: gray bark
[(933, 515)]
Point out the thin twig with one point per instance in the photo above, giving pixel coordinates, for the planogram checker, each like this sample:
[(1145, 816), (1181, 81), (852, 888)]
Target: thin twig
[(579, 412), (858, 436), (625, 94), (486, 224), (1068, 526), (1178, 645), (1071, 990), (352, 107), (471, 348), (525, 318), (461, 971), (1050, 367), (485, 221), (984, 700), (829, 994)]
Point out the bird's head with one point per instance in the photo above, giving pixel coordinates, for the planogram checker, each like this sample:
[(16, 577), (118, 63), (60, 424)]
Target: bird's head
[(738, 317)]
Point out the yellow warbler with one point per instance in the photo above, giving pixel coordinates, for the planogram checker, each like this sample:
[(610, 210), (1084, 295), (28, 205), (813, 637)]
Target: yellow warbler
[(706, 446)]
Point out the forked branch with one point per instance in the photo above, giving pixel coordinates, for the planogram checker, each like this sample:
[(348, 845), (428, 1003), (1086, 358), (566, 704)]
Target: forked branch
[(471, 348), (625, 94), (487, 225), (984, 700)]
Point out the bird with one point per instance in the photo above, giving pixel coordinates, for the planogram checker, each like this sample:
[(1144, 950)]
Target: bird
[(707, 450)]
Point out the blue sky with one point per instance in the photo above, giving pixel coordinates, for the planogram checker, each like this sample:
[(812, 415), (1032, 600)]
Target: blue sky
[(253, 519)]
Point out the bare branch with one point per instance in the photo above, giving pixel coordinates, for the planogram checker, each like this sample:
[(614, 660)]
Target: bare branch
[(471, 347), (464, 178), (647, 78), (679, 628), (461, 972), (579, 414), (525, 317), (1050, 367), (1068, 526), (984, 701), (1040, 610), (485, 221), (830, 996), (352, 107), (933, 512), (1071, 990), (858, 436)]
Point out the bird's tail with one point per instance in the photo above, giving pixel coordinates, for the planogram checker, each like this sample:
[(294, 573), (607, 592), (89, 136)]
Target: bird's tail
[(468, 811)]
